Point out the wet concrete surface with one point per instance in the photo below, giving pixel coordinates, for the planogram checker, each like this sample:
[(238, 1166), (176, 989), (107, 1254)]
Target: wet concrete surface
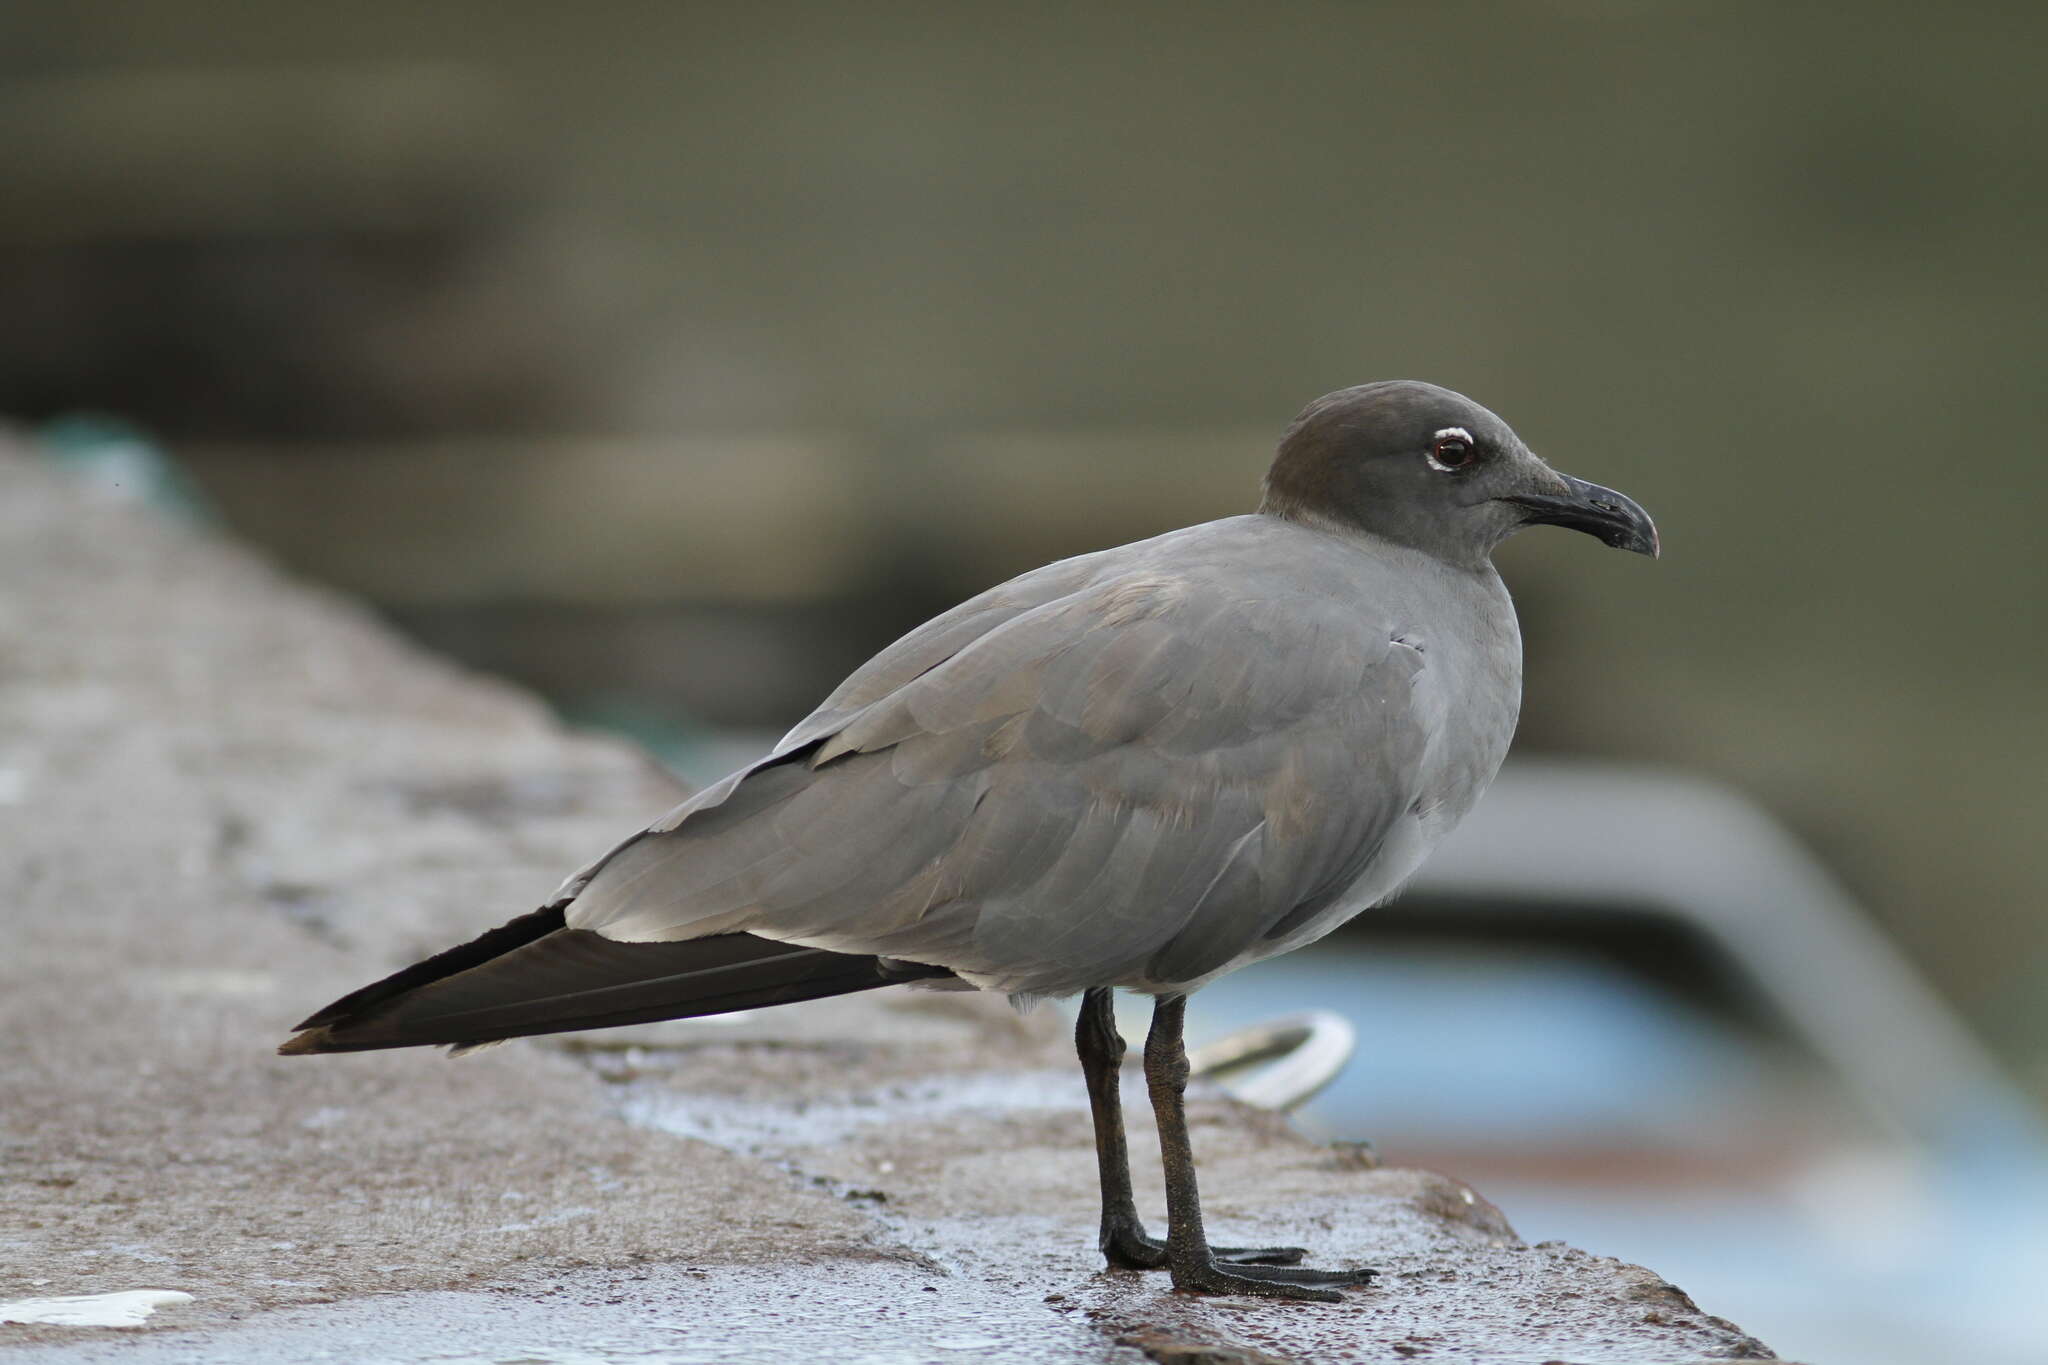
[(226, 798)]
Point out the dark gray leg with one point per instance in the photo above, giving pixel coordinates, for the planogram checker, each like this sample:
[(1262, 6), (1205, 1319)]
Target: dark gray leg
[(1188, 1254), (1123, 1240)]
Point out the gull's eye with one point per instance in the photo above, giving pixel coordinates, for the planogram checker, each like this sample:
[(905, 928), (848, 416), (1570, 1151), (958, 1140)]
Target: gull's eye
[(1454, 449)]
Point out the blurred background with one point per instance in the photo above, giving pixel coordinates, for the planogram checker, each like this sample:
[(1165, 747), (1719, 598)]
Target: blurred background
[(673, 358)]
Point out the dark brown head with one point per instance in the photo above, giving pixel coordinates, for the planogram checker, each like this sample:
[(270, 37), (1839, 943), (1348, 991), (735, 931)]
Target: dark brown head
[(1429, 468)]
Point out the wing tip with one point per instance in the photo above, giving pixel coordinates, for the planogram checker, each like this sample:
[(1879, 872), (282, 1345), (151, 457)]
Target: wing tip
[(309, 1041)]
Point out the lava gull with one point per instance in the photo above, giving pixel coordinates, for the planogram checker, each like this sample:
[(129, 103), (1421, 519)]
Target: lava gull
[(1138, 769)]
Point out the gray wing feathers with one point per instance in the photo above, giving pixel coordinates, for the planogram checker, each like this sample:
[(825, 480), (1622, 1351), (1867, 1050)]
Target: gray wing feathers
[(1102, 777), (938, 640), (932, 643)]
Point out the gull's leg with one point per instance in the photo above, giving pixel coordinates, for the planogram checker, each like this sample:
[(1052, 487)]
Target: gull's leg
[(1188, 1254), (1123, 1240)]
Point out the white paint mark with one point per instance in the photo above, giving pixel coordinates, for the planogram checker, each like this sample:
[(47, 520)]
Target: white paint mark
[(127, 1308)]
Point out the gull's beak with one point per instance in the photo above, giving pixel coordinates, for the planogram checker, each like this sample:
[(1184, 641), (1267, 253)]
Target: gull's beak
[(1602, 513)]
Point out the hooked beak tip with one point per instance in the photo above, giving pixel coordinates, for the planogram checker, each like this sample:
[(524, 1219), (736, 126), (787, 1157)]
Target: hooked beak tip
[(1612, 518)]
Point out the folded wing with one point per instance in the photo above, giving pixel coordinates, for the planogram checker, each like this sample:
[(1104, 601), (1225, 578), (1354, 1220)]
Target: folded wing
[(1131, 781)]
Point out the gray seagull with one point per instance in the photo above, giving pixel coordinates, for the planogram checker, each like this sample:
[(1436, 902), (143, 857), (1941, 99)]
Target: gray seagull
[(1136, 769)]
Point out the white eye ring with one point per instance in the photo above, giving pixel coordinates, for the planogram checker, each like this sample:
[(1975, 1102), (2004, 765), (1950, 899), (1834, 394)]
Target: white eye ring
[(1451, 434)]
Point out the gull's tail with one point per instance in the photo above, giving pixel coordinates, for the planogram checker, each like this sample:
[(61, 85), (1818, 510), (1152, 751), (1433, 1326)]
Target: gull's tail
[(534, 975)]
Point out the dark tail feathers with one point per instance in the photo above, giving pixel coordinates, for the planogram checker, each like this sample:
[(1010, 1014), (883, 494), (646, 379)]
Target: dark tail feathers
[(533, 975)]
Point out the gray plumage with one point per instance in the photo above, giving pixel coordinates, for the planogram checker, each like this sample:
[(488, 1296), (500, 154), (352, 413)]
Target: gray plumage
[(1140, 768), (1148, 766), (1137, 768)]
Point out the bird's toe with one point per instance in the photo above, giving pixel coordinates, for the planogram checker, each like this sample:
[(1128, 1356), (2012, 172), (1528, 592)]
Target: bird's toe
[(1267, 1256), (1268, 1281), (1133, 1249)]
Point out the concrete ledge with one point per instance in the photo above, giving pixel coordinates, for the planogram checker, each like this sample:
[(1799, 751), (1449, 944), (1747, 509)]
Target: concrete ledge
[(230, 797)]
